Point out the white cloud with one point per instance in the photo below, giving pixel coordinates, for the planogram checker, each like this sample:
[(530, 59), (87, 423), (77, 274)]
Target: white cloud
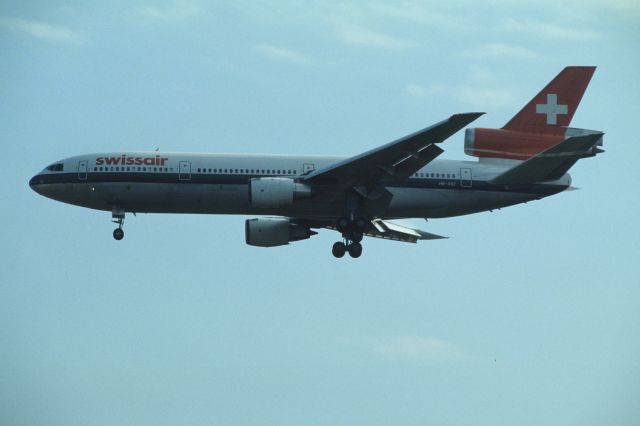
[(416, 348), (480, 89), (548, 30), (501, 50), (621, 5), (42, 30), (177, 10), (477, 96), (420, 91), (282, 54), (419, 13), (483, 97), (356, 35)]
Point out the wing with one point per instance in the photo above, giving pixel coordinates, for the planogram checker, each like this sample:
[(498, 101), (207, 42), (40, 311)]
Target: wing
[(395, 161)]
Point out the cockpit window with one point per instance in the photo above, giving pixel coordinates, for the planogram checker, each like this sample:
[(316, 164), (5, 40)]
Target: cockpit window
[(56, 167)]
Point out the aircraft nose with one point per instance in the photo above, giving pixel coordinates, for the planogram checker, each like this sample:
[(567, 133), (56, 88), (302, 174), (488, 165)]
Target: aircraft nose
[(35, 184)]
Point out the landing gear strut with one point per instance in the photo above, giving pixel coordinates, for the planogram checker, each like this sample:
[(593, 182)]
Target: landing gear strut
[(117, 216), (352, 229)]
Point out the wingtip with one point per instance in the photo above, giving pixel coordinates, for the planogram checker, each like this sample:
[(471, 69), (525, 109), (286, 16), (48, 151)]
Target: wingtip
[(467, 116)]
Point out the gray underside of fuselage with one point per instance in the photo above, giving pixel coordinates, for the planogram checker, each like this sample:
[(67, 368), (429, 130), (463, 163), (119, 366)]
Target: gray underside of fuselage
[(234, 199)]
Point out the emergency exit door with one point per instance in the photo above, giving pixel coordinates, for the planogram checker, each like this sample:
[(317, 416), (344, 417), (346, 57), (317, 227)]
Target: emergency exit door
[(185, 170)]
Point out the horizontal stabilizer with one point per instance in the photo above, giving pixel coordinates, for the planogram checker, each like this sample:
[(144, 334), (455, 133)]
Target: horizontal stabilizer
[(552, 163), (393, 231)]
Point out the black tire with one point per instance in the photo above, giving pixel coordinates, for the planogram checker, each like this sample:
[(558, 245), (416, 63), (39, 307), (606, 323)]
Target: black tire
[(342, 224), (338, 250), (360, 224), (118, 234), (355, 250), (356, 237)]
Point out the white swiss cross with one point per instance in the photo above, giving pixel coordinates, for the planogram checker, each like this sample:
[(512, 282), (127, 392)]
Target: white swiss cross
[(551, 108)]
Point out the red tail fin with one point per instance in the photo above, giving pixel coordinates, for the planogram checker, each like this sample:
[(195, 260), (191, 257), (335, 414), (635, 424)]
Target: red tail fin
[(552, 109)]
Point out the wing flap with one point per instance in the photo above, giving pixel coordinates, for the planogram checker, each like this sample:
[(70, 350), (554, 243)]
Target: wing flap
[(393, 231)]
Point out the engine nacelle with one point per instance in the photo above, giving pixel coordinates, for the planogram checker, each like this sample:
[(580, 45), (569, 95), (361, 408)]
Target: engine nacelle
[(274, 231), (500, 143), (276, 191)]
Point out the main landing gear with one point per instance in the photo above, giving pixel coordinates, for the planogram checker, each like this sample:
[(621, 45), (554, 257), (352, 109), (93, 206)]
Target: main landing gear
[(352, 229), (117, 216), (339, 249)]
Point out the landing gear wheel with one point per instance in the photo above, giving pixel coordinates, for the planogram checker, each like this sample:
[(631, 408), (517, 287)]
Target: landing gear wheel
[(360, 224), (339, 249), (356, 237), (118, 234), (343, 224), (355, 250)]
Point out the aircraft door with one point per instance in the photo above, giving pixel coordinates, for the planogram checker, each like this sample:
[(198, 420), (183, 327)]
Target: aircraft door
[(184, 173), (308, 168), (82, 170), (465, 178)]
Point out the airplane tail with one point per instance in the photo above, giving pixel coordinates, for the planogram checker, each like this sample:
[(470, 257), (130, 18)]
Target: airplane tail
[(552, 163), (552, 109), (540, 125)]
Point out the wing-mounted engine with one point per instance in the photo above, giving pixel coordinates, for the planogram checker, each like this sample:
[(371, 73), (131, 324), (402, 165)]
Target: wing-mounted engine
[(274, 231), (516, 145), (276, 192)]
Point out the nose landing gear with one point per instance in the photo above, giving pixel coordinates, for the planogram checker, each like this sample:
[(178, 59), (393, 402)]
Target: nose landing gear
[(118, 234), (117, 216)]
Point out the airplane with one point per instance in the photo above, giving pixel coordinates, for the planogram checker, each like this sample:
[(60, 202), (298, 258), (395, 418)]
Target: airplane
[(295, 195)]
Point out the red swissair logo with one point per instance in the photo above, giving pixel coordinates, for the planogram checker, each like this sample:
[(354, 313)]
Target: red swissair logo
[(125, 160)]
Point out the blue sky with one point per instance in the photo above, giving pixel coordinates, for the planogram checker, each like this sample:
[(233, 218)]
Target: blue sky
[(528, 316)]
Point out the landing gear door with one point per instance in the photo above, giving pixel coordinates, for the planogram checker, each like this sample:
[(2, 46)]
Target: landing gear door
[(185, 170), (465, 178), (82, 170)]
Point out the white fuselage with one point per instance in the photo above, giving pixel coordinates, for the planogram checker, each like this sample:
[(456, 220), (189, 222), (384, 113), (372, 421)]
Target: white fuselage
[(152, 182)]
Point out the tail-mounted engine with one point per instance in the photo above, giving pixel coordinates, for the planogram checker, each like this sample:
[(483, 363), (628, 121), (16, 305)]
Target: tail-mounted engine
[(515, 145), (274, 231), (276, 191)]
